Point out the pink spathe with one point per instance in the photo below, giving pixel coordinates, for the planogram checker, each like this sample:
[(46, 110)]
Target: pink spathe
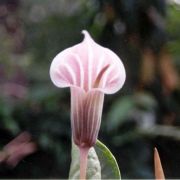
[(90, 71), (80, 65)]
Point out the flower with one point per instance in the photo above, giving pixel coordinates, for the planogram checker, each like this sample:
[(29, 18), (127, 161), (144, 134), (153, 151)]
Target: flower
[(90, 71), (17, 149)]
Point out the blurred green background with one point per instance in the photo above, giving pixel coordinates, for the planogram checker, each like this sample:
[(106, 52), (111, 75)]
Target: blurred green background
[(143, 115)]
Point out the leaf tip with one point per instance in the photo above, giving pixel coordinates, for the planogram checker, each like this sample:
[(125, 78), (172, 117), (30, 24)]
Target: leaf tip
[(159, 174)]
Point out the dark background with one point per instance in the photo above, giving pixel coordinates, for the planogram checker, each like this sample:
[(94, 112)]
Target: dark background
[(143, 115)]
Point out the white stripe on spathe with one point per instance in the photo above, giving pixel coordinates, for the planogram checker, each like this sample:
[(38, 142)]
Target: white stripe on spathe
[(81, 69), (71, 72)]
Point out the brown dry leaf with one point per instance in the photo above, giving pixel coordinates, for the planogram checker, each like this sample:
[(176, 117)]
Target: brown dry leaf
[(159, 174), (168, 72), (147, 71)]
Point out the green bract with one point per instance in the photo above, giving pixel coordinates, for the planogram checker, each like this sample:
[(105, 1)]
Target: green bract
[(101, 163)]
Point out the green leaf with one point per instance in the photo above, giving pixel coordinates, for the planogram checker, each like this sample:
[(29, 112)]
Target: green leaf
[(101, 163), (109, 166), (93, 168)]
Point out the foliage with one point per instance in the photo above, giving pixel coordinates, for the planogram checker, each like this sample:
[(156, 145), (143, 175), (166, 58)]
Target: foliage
[(101, 163)]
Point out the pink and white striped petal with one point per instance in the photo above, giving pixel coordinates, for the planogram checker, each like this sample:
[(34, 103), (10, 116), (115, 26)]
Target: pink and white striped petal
[(88, 66), (86, 112)]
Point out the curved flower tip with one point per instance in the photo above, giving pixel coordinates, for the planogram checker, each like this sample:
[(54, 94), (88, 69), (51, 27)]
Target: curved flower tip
[(88, 66)]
